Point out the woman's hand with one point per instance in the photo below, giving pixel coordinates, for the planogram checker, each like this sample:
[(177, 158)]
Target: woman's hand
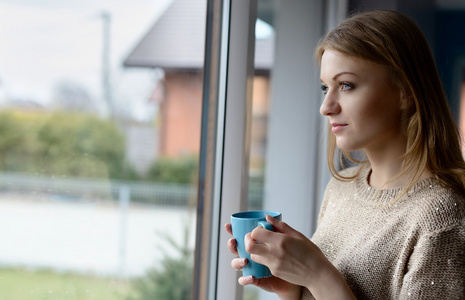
[(282, 288), (294, 259), (286, 252)]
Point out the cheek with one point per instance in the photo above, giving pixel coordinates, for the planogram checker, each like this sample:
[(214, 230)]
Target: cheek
[(362, 113), (382, 118), (380, 107)]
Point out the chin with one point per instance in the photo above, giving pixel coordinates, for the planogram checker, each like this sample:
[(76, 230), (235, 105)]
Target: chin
[(347, 147)]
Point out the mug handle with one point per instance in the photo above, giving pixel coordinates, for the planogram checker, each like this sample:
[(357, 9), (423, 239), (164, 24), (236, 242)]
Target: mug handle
[(265, 225)]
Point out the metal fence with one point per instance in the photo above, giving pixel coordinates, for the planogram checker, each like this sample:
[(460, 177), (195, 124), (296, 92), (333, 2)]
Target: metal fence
[(163, 194)]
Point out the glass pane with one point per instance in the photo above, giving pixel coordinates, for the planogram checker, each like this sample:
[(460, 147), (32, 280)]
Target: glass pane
[(264, 48), (99, 142)]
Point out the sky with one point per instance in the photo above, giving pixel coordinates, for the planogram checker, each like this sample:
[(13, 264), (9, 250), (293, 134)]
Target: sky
[(46, 42)]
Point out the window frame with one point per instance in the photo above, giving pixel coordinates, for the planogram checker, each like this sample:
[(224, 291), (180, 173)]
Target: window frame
[(225, 141)]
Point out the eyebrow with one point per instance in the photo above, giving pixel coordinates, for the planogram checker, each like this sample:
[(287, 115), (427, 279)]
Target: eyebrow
[(341, 73)]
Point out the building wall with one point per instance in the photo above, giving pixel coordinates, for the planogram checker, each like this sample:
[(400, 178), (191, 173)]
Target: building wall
[(260, 112), (181, 111)]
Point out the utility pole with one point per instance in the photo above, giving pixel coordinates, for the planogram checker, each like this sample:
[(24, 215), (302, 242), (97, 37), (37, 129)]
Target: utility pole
[(107, 96)]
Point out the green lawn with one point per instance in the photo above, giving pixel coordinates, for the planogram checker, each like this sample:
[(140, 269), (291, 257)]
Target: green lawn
[(20, 284)]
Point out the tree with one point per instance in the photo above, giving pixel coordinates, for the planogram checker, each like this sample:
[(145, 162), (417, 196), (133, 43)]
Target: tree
[(173, 280), (60, 143)]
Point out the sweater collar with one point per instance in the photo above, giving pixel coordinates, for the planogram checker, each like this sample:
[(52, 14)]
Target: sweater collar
[(387, 195)]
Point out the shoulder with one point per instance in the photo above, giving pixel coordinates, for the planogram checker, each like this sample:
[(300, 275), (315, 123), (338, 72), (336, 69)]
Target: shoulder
[(337, 188), (349, 183), (436, 207)]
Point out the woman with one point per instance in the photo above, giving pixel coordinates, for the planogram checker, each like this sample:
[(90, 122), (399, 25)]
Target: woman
[(392, 227)]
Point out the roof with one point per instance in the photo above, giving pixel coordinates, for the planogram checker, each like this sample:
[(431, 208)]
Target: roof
[(176, 41)]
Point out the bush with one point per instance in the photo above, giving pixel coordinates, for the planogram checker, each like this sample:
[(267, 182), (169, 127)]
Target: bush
[(174, 170), (60, 143)]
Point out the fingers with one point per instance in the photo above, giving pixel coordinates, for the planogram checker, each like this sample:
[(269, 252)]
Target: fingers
[(282, 227), (246, 280), (228, 228), (238, 263), (232, 246), (252, 246), (262, 235)]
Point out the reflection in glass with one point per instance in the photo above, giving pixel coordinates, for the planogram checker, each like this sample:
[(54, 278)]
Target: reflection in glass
[(264, 47)]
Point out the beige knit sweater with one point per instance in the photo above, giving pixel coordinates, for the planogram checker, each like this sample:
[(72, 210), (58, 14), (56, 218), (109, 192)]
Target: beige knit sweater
[(413, 249)]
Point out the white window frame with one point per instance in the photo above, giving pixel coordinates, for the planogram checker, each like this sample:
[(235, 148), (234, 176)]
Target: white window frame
[(223, 182)]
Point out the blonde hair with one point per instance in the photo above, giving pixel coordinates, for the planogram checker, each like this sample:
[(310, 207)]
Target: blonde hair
[(394, 41)]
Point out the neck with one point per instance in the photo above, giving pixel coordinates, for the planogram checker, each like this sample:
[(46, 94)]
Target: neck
[(386, 177), (390, 174), (387, 165)]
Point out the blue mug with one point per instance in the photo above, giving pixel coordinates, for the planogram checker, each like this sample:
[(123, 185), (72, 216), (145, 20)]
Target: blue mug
[(243, 223)]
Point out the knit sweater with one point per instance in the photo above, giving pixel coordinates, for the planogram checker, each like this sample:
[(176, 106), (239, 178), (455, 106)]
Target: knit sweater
[(412, 249)]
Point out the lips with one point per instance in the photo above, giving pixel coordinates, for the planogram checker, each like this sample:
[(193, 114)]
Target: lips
[(336, 127)]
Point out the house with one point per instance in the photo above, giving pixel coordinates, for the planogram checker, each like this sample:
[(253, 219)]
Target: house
[(175, 43)]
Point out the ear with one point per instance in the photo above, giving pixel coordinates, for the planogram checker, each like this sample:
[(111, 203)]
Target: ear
[(406, 101)]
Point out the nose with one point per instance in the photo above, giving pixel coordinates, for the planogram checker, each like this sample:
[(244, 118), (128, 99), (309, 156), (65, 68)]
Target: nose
[(330, 105)]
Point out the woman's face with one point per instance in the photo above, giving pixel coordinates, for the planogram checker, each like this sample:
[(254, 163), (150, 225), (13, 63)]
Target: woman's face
[(363, 107)]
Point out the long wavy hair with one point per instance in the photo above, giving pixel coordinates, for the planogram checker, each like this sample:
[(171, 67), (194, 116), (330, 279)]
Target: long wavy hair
[(393, 40)]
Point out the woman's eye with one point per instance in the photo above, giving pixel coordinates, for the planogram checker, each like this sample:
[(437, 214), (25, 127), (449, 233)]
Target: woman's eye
[(344, 86), (324, 88)]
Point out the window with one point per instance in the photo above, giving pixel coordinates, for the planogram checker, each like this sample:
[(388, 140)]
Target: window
[(100, 133)]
